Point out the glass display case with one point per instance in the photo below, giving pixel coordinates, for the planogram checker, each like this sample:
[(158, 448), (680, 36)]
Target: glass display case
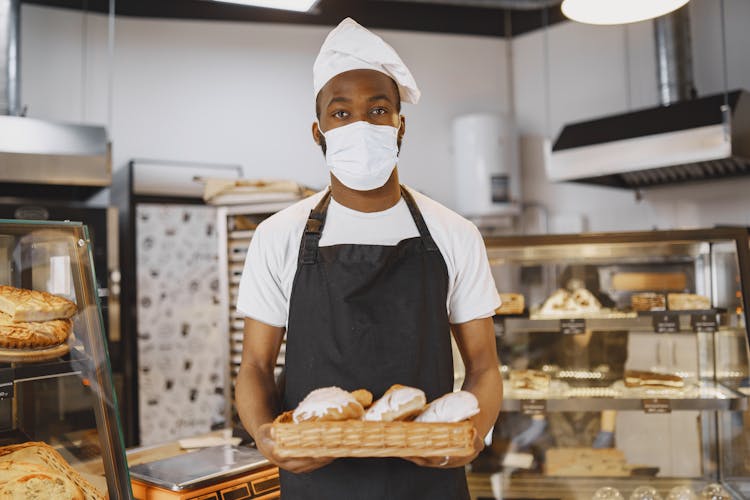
[(625, 365), (58, 410)]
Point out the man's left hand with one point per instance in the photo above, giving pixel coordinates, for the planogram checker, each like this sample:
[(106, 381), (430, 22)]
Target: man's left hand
[(449, 462)]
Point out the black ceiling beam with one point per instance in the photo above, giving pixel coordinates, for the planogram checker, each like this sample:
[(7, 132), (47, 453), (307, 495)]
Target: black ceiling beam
[(397, 15)]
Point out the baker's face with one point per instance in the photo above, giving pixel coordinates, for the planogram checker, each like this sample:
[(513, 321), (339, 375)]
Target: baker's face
[(358, 95)]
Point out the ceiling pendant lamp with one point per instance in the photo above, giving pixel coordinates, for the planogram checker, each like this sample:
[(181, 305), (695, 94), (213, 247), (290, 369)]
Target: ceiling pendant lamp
[(295, 5), (618, 11)]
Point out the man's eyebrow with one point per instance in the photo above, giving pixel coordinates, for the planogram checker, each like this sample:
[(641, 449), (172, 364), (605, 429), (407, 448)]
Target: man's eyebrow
[(380, 97), (338, 99)]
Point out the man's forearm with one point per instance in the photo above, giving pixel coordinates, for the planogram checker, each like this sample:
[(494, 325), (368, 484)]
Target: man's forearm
[(487, 386), (256, 397)]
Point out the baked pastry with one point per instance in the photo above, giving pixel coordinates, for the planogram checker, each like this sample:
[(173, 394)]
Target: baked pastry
[(511, 303), (556, 303), (648, 302), (28, 335), (363, 396), (40, 486), (586, 462), (36, 470), (687, 302), (398, 403), (534, 380), (583, 300), (638, 378), (328, 404), (453, 407), (565, 302), (32, 305)]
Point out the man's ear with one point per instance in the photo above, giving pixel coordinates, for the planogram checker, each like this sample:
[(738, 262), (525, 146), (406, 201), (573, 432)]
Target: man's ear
[(317, 134), (402, 127)]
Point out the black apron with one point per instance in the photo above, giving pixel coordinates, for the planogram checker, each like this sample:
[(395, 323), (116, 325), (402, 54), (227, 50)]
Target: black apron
[(369, 316)]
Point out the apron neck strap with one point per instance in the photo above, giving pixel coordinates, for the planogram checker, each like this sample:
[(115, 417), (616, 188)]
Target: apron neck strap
[(424, 233), (317, 219), (314, 229)]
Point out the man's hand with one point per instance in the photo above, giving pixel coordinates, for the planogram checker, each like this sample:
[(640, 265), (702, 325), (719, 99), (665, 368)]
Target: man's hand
[(265, 443), (449, 462)]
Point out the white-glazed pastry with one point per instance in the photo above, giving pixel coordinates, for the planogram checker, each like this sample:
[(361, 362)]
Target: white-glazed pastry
[(328, 404), (453, 407), (398, 403)]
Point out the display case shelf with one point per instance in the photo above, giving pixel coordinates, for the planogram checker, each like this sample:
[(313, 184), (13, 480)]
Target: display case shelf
[(74, 363), (642, 321), (704, 396)]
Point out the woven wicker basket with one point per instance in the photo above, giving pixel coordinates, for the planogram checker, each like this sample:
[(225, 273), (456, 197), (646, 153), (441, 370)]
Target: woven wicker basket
[(356, 438)]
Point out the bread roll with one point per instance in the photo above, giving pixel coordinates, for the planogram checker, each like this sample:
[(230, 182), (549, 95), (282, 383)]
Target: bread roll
[(398, 403), (363, 396), (328, 404), (453, 407)]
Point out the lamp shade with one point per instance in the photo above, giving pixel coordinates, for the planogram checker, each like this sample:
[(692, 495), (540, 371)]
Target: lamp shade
[(295, 5), (618, 11)]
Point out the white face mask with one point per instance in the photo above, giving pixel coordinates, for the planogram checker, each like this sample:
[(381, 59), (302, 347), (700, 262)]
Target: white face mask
[(362, 155)]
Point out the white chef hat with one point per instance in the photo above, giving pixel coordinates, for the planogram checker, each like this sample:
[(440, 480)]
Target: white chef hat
[(350, 46)]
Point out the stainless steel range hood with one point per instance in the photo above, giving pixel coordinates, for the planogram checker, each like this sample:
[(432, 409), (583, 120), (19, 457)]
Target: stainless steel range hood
[(37, 152), (685, 139), (689, 141)]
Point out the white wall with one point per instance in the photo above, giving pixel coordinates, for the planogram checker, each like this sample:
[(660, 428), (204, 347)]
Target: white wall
[(242, 92), (589, 77)]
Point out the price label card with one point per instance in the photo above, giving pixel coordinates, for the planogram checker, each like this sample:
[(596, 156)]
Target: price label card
[(704, 322), (6, 383), (572, 326), (667, 322), (533, 406), (656, 406)]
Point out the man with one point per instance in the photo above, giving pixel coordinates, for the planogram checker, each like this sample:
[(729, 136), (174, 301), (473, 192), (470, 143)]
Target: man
[(367, 279)]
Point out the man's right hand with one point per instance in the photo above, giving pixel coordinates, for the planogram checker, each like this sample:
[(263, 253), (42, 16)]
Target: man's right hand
[(266, 445)]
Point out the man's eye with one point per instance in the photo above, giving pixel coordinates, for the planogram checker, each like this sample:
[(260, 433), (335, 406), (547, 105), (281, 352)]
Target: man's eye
[(379, 111), (340, 114)]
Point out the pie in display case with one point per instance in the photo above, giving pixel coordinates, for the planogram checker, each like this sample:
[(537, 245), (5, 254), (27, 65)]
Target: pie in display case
[(60, 435), (625, 367)]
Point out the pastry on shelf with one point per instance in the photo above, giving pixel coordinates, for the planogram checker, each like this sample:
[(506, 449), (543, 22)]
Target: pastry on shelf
[(23, 305), (533, 380), (648, 301), (563, 302), (586, 462), (33, 334), (36, 470), (647, 379), (512, 303), (687, 302)]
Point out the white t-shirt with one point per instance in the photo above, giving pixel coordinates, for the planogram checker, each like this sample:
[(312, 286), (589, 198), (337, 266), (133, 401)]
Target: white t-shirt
[(271, 262)]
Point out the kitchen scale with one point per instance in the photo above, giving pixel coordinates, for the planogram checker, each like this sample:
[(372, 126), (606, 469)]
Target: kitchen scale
[(215, 473)]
